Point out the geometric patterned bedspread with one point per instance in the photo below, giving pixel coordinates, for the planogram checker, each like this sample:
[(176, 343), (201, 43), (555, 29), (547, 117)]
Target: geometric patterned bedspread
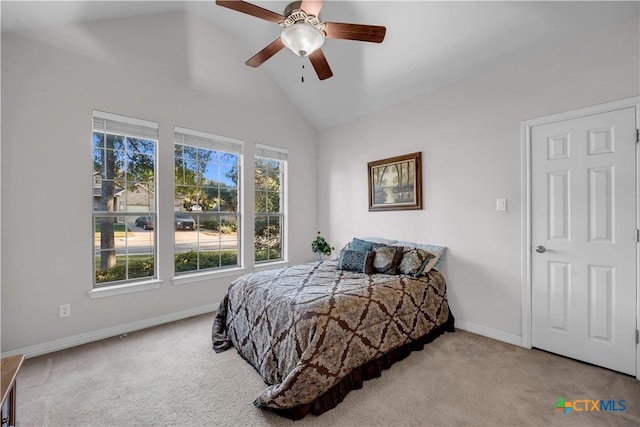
[(305, 327)]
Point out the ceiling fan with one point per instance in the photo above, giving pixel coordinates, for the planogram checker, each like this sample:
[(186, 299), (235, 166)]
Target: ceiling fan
[(304, 33)]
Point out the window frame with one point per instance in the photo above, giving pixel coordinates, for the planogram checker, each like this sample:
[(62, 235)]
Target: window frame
[(272, 153), (219, 144), (126, 127)]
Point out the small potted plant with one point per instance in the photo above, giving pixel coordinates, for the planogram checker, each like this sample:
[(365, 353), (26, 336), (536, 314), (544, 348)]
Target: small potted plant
[(321, 247)]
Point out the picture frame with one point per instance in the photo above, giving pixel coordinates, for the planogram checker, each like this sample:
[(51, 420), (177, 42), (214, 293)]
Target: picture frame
[(395, 183)]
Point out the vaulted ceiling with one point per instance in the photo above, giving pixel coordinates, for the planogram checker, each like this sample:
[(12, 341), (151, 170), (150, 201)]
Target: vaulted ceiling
[(428, 45)]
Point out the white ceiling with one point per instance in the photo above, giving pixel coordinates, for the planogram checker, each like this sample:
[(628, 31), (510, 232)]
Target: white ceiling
[(428, 44)]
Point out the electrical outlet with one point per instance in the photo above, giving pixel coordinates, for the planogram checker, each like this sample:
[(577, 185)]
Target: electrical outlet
[(64, 311)]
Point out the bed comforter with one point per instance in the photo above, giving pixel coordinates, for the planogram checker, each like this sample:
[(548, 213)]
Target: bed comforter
[(305, 327)]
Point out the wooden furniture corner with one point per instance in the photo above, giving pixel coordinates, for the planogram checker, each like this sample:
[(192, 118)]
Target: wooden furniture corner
[(10, 367)]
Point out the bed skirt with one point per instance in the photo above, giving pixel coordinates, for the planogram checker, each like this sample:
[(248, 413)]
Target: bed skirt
[(354, 380)]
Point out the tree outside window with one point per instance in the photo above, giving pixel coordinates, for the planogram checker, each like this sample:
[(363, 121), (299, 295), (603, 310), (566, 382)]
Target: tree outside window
[(206, 204), (123, 190), (269, 209)]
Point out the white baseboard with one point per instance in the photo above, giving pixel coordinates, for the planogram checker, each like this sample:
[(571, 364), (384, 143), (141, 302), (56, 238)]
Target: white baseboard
[(489, 332), (62, 343)]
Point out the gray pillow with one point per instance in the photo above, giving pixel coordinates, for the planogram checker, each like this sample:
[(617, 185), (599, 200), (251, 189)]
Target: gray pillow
[(363, 245), (359, 261)]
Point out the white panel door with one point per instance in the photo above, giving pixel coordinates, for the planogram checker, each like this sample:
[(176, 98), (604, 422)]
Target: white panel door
[(583, 265)]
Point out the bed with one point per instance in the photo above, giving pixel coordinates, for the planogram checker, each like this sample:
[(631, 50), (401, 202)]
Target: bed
[(315, 331)]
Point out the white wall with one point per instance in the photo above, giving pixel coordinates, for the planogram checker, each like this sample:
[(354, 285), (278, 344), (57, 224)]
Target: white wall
[(469, 135), (170, 68)]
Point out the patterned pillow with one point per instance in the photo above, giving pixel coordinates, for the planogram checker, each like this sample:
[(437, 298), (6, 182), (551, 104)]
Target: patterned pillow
[(387, 259), (359, 261), (415, 261), (439, 251), (363, 245)]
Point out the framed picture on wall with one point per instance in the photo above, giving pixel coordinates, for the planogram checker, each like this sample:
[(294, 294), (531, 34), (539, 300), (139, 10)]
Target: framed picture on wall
[(395, 183)]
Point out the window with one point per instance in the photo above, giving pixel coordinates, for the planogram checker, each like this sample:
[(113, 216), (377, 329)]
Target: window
[(270, 166), (206, 203), (124, 204)]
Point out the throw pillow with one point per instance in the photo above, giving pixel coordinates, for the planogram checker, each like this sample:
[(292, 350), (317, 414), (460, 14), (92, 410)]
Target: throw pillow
[(359, 261), (363, 245), (439, 251), (387, 259), (415, 260)]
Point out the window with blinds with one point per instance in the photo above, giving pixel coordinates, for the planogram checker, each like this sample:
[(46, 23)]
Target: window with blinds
[(206, 201), (124, 202), (270, 169)]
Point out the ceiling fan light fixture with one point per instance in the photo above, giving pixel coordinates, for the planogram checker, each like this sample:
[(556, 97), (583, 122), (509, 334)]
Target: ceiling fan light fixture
[(303, 39)]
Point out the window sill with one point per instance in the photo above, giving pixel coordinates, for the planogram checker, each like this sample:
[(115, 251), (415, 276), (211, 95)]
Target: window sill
[(127, 288), (201, 277), (270, 265)]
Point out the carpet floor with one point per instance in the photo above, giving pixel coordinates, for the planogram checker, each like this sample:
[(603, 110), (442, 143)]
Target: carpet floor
[(169, 375)]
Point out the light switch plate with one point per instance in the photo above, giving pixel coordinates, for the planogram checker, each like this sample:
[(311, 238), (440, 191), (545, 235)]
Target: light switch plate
[(501, 205), (64, 310)]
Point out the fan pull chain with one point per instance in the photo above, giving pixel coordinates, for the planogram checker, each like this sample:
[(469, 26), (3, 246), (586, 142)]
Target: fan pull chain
[(302, 72)]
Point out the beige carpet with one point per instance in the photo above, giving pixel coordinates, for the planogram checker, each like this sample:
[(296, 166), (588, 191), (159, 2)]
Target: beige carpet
[(169, 375)]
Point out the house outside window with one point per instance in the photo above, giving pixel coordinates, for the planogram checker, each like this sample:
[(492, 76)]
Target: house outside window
[(123, 182), (206, 201), (270, 177)]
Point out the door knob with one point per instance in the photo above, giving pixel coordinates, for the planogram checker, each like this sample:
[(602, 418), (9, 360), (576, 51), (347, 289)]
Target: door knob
[(541, 249)]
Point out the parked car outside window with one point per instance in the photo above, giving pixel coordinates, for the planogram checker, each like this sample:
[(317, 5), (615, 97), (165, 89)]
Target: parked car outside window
[(144, 222), (185, 222)]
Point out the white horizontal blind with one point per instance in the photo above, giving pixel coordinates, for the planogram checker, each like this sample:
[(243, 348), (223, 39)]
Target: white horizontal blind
[(269, 152), (207, 141), (126, 126)]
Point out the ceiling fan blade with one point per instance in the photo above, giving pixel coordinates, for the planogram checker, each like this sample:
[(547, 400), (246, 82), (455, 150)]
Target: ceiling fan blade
[(251, 9), (266, 53), (320, 64), (312, 7), (365, 33)]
